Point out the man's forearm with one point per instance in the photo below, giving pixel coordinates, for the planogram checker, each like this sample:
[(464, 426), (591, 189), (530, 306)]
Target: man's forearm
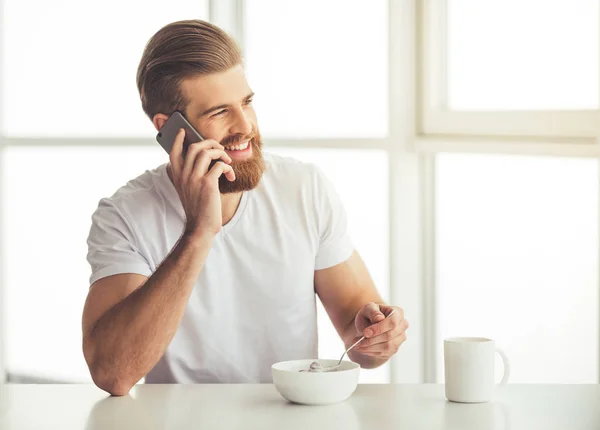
[(130, 338)]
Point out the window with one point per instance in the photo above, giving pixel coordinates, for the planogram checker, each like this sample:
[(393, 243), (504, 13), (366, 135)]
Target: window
[(517, 260), (508, 244), (522, 55), (69, 66), (510, 68), (319, 68)]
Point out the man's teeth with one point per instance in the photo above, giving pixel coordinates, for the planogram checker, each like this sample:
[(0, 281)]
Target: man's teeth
[(239, 147)]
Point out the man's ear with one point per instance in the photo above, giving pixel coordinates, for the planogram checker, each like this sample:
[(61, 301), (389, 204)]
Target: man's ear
[(159, 120)]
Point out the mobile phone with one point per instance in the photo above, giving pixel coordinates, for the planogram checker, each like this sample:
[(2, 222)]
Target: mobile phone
[(166, 135)]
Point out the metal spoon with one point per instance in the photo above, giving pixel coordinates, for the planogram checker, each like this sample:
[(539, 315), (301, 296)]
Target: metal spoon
[(315, 366)]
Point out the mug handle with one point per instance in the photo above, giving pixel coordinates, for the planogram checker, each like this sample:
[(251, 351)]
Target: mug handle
[(506, 366)]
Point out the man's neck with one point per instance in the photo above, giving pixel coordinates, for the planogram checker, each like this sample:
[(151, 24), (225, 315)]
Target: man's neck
[(229, 205)]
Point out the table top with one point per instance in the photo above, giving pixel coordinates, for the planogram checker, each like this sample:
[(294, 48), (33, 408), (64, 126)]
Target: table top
[(247, 406)]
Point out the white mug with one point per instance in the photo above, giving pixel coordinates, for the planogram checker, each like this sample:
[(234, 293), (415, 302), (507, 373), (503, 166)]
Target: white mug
[(469, 366)]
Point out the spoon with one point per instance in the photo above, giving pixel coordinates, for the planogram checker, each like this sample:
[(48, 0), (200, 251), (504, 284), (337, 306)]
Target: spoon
[(315, 366)]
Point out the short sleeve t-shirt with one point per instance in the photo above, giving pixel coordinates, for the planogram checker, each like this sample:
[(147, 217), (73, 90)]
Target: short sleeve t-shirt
[(254, 301)]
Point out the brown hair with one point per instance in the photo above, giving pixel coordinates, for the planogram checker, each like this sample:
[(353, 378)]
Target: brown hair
[(178, 51)]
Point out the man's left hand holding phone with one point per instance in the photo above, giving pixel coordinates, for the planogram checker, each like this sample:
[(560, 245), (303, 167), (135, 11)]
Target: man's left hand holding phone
[(196, 166)]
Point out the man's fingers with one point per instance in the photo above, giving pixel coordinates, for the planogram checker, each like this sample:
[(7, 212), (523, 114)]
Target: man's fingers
[(384, 325), (205, 158), (387, 336), (194, 151), (175, 156), (387, 310), (372, 313), (219, 169), (381, 327), (384, 348)]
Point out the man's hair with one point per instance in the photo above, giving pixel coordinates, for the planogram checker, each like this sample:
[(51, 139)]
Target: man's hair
[(181, 50)]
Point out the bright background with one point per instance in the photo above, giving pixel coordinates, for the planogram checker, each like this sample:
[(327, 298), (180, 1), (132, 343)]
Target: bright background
[(504, 240)]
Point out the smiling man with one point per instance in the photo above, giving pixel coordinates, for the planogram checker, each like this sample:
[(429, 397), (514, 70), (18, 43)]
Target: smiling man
[(205, 269)]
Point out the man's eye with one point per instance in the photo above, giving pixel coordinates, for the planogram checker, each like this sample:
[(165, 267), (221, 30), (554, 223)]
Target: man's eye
[(249, 101), (220, 112)]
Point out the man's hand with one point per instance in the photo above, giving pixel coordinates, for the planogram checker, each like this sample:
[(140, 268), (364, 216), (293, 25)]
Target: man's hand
[(197, 183), (383, 335)]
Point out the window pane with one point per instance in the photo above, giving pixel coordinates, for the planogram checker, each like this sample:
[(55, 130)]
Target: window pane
[(523, 55), (517, 254), (365, 198), (69, 66), (47, 217), (318, 71)]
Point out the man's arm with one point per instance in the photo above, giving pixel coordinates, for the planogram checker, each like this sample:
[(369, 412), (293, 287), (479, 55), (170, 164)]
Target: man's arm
[(129, 320), (354, 305)]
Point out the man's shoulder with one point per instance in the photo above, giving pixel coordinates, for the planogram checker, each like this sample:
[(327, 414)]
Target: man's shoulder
[(292, 170), (138, 193)]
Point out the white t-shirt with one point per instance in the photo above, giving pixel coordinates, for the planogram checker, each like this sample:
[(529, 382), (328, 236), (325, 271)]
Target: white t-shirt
[(254, 301)]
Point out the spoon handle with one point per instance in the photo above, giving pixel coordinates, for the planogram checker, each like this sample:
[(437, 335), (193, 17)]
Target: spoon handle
[(360, 340), (353, 345)]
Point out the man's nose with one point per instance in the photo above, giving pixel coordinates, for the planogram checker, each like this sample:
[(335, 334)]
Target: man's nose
[(241, 124)]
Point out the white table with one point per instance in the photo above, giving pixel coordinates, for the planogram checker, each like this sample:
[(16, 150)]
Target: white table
[(373, 407)]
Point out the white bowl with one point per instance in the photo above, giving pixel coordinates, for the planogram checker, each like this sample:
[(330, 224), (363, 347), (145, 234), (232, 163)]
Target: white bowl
[(315, 388)]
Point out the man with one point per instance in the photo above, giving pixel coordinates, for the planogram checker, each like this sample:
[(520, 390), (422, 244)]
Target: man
[(208, 273)]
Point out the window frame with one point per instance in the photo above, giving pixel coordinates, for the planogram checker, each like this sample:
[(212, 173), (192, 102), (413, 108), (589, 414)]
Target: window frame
[(437, 119), (419, 128)]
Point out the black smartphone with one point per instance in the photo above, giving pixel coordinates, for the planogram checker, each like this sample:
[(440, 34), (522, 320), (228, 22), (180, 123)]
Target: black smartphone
[(166, 135)]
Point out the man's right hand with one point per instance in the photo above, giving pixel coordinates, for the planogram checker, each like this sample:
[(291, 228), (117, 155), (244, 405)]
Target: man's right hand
[(197, 186)]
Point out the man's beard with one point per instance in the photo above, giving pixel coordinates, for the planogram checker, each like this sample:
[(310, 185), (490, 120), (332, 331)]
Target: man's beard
[(248, 173)]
